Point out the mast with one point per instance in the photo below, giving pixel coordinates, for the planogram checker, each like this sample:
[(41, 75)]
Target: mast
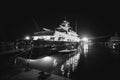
[(36, 25), (76, 26)]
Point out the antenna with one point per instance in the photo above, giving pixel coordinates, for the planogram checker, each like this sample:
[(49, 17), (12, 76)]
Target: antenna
[(36, 24), (76, 26)]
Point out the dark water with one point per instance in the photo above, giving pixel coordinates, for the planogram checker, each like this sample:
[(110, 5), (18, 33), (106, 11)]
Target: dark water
[(91, 62)]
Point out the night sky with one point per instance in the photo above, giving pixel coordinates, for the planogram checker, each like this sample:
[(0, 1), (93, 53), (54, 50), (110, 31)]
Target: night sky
[(94, 22)]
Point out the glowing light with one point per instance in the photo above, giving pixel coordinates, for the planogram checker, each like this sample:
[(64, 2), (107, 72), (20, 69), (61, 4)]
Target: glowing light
[(27, 38), (85, 39), (62, 69), (47, 58), (113, 45)]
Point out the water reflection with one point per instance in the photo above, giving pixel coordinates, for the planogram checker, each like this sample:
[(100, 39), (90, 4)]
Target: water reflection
[(70, 64), (85, 49)]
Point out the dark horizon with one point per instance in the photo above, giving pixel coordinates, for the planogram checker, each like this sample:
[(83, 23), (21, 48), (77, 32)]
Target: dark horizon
[(96, 23)]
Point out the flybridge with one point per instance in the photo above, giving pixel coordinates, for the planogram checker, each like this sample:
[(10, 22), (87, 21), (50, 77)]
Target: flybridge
[(62, 33)]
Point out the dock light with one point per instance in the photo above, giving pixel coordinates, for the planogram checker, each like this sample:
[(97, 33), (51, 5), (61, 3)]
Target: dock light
[(27, 37)]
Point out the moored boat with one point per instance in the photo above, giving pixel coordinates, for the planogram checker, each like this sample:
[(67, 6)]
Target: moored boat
[(62, 38)]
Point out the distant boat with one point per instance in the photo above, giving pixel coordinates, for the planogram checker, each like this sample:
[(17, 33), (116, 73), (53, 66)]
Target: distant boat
[(114, 42)]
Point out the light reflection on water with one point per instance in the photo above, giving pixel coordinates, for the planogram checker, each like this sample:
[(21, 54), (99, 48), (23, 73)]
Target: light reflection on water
[(70, 64), (85, 49)]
